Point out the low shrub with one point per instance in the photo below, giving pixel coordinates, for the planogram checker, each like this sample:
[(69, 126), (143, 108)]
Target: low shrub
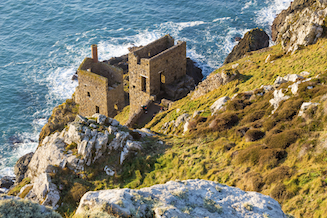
[(24, 208), (253, 135), (288, 110), (251, 117), (278, 174), (224, 121), (283, 139), (237, 104), (280, 193), (269, 158)]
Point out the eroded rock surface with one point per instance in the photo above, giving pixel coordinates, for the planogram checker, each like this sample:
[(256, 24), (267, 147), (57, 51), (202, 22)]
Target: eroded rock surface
[(300, 25), (253, 40), (189, 198), (80, 144)]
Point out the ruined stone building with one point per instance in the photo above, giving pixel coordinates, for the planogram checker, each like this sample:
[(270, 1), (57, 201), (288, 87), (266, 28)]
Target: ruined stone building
[(153, 68), (100, 87)]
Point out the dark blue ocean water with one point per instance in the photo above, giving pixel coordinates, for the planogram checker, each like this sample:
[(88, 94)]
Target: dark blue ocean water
[(43, 42)]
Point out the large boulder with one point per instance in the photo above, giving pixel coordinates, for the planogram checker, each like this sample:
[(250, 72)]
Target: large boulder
[(21, 166), (189, 198), (253, 40)]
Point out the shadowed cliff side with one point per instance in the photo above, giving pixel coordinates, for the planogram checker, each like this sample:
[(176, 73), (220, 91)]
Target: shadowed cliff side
[(253, 40)]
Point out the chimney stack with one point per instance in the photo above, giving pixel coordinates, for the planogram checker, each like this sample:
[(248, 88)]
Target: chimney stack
[(94, 53)]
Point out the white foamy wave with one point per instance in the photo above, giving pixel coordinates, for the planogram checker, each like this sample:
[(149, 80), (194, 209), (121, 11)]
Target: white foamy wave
[(248, 4), (116, 47), (200, 61), (267, 15), (60, 83), (221, 19), (26, 142)]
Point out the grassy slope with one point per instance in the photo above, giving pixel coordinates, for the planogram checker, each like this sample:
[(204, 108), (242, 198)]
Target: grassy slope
[(288, 163)]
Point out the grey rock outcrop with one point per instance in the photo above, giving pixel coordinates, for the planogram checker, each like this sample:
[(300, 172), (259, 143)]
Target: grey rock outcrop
[(300, 25), (189, 198), (90, 137), (253, 40), (6, 182), (212, 82), (218, 105), (21, 166)]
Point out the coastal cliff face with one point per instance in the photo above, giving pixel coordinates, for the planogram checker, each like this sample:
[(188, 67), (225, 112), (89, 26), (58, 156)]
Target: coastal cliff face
[(252, 41), (300, 25)]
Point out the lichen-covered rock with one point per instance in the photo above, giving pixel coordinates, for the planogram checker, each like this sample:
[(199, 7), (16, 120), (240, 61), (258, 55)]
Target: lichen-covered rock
[(89, 145), (253, 40), (300, 25), (279, 96), (218, 105), (15, 207), (189, 198), (212, 82)]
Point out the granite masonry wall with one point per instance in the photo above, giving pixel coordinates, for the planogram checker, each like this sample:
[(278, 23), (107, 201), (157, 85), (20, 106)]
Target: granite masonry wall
[(152, 67), (100, 88)]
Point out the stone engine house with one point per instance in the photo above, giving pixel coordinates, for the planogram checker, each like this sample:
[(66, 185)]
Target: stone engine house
[(153, 68), (100, 87)]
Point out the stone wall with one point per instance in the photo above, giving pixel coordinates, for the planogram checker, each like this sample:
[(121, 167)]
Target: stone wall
[(151, 67), (171, 63), (100, 88), (91, 93)]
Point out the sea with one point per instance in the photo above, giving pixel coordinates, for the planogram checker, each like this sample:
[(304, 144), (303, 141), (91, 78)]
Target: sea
[(43, 42)]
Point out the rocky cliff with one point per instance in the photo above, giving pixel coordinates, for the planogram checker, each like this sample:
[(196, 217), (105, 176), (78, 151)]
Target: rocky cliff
[(253, 40), (83, 143), (301, 24)]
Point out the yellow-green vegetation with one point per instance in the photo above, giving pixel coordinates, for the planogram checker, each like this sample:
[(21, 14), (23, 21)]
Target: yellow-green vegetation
[(123, 116), (61, 115), (17, 188), (245, 145), (24, 208)]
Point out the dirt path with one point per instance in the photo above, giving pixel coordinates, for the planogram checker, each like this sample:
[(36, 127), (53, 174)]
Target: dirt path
[(153, 109)]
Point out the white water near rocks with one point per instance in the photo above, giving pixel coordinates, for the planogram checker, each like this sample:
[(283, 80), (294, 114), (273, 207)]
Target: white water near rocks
[(42, 44)]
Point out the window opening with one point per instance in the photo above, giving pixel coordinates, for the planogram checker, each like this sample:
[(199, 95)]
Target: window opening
[(88, 94), (97, 109), (143, 83)]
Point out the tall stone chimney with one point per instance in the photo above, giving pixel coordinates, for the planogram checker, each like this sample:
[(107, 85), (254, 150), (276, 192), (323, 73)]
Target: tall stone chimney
[(94, 53)]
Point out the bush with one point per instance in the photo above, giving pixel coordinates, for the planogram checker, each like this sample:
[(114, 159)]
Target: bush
[(253, 135), (278, 174), (288, 110), (224, 121), (250, 155), (76, 193), (283, 139), (251, 117), (280, 193), (25, 209), (237, 104), (269, 158)]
